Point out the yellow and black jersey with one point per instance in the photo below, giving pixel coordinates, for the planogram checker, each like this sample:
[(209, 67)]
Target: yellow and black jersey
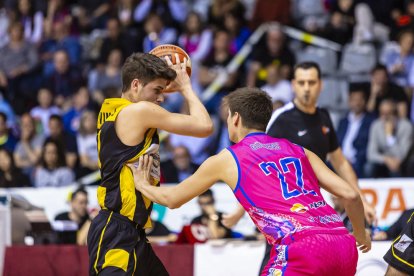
[(117, 190)]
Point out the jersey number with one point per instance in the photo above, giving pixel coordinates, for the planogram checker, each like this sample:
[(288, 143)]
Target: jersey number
[(289, 190)]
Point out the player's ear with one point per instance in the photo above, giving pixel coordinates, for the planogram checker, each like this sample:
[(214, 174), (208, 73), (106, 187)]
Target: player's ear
[(135, 84), (236, 118)]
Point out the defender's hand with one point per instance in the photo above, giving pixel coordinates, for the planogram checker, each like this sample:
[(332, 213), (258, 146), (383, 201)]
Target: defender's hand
[(363, 241), (142, 173)]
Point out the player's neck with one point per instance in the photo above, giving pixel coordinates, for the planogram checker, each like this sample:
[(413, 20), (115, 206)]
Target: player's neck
[(310, 109), (246, 131)]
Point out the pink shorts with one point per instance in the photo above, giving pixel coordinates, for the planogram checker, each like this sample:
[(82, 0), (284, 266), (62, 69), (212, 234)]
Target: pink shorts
[(314, 254)]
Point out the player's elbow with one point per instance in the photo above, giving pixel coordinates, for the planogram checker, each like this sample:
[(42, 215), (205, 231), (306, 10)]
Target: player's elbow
[(351, 196), (174, 204), (206, 129)]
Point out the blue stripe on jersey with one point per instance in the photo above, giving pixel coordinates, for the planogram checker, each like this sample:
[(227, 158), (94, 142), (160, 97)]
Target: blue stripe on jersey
[(239, 178), (238, 168), (255, 133)]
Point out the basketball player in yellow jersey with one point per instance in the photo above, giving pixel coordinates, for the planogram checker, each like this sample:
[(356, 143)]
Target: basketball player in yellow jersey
[(127, 129)]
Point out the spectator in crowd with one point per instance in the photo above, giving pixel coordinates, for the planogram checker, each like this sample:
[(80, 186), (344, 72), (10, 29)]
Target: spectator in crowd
[(395, 229), (179, 167), (271, 10), (6, 108), (219, 8), (60, 40), (45, 109), (73, 226), (219, 140), (66, 141), (400, 62), (91, 14), (125, 12), (102, 78), (58, 11), (172, 11), (18, 60), (238, 30), (157, 33), (274, 51), (116, 39), (353, 130), (4, 24), (341, 23), (80, 102), (87, 144), (52, 170), (309, 15), (279, 89), (210, 217), (7, 139), (214, 65), (390, 139), (10, 175), (382, 88), (159, 233), (65, 79), (196, 40), (31, 20), (29, 148), (367, 29)]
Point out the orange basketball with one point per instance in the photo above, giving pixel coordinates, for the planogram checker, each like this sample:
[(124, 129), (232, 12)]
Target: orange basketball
[(170, 50)]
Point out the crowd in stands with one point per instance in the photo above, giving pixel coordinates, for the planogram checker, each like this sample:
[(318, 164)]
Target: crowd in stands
[(60, 59)]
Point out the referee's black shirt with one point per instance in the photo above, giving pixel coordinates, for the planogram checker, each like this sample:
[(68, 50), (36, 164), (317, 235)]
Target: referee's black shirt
[(314, 132)]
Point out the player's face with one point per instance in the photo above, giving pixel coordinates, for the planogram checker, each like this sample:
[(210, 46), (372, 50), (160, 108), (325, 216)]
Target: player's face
[(307, 86), (151, 92)]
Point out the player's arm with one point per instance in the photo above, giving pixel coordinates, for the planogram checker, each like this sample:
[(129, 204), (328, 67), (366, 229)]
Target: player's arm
[(175, 196), (197, 124), (349, 195), (344, 169)]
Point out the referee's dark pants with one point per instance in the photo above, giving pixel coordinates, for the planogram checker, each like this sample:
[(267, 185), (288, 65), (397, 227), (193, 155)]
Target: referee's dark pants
[(117, 246), (266, 257)]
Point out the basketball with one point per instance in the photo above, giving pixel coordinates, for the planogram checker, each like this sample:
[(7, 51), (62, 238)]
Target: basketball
[(169, 50)]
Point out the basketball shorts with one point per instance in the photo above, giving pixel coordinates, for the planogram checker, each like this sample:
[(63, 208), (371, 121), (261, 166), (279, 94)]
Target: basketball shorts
[(401, 254), (117, 246), (314, 254)]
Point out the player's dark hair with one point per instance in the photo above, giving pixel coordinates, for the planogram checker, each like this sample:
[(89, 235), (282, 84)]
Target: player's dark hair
[(145, 68), (253, 105), (306, 65)]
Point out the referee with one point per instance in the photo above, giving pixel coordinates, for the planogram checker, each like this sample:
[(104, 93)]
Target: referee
[(305, 124)]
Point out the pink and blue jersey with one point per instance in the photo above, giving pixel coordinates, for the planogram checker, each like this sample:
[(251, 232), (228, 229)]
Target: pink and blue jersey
[(278, 188)]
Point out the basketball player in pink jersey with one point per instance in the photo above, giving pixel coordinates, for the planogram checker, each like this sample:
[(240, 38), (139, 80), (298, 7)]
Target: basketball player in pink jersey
[(278, 184)]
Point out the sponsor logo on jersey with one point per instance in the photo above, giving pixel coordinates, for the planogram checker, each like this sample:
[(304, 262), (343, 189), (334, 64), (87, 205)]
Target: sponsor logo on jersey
[(326, 219), (271, 146), (275, 272), (325, 130), (317, 204), (299, 208)]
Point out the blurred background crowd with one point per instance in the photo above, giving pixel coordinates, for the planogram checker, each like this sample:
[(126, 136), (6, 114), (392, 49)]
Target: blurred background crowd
[(59, 59)]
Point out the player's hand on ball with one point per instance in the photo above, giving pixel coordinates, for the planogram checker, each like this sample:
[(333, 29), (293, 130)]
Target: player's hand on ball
[(363, 241), (182, 81), (142, 173)]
